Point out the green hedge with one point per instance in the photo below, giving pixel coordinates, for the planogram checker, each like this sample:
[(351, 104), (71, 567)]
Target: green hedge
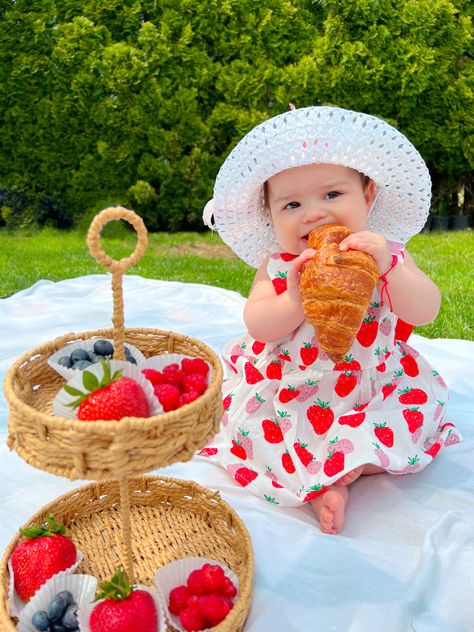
[(137, 102)]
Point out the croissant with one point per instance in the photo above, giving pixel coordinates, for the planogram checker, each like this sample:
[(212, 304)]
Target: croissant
[(336, 288)]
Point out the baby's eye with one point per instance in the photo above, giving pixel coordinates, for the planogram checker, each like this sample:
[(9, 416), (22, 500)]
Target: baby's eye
[(292, 205), (331, 195)]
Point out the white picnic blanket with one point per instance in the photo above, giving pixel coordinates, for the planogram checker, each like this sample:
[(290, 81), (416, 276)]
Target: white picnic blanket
[(405, 559)]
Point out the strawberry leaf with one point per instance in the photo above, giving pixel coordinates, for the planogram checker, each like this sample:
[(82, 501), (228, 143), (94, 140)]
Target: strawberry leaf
[(38, 531), (72, 391), (90, 381), (118, 588)]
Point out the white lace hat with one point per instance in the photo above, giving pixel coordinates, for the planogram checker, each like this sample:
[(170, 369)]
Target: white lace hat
[(318, 135)]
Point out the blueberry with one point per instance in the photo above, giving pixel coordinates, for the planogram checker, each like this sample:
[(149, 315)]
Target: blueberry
[(79, 354), (103, 347), (67, 596), (56, 608), (81, 364), (95, 357), (69, 619), (130, 359), (57, 627), (40, 621), (65, 361)]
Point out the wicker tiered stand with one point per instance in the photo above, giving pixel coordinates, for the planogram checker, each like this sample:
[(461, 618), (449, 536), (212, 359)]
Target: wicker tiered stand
[(126, 517)]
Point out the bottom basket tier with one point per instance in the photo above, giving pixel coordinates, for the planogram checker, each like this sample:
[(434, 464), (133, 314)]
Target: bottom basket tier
[(170, 519)]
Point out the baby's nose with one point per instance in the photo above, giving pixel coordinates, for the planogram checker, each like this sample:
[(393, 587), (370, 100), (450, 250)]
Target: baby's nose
[(313, 213)]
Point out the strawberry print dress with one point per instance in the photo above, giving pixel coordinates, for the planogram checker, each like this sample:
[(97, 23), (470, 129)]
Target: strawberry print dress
[(295, 422)]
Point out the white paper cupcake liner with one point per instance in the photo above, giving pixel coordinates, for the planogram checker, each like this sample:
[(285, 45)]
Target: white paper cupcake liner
[(176, 574), (82, 588), (88, 346), (159, 362), (17, 604), (84, 613), (63, 398)]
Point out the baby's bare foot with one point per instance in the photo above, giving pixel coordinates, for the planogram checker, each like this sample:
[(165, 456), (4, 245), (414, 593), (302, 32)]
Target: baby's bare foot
[(351, 476), (330, 508)]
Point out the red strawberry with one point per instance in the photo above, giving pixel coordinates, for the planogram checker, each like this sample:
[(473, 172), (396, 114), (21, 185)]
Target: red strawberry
[(285, 355), (194, 365), (192, 619), (168, 396), (238, 450), (384, 434), (208, 452), (274, 370), (178, 599), (215, 608), (236, 352), (123, 608), (44, 552), (111, 398), (227, 401), (173, 374), (195, 382), (287, 256), (287, 463), (271, 431), (352, 420), (153, 376), (414, 418), (388, 389), (188, 397), (359, 407), (258, 347), (279, 282), (308, 353), (367, 332), (252, 374), (320, 416), (244, 476), (303, 454), (287, 394), (435, 448), (410, 365), (334, 463), (413, 396), (349, 364), (345, 384), (313, 492)]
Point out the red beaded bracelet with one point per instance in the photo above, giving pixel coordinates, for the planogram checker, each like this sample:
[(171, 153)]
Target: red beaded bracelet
[(383, 277)]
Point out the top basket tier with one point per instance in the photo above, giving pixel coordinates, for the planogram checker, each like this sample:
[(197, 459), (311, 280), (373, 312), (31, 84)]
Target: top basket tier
[(108, 449)]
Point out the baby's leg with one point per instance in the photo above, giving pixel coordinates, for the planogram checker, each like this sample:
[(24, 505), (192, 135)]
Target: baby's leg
[(362, 470), (330, 508)]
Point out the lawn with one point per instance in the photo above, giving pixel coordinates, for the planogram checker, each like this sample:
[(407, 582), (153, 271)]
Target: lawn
[(26, 257)]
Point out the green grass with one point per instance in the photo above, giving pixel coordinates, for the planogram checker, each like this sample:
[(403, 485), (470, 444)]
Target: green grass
[(202, 258)]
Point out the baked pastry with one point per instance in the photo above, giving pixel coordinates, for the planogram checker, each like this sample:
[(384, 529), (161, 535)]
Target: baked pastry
[(336, 288)]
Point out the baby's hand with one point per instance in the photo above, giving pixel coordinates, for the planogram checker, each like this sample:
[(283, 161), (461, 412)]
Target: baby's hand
[(293, 277), (372, 243)]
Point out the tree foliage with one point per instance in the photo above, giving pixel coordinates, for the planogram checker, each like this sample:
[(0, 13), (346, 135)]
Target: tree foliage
[(137, 102)]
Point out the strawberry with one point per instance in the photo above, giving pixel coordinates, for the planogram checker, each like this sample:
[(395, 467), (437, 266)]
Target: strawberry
[(435, 448), (385, 326), (452, 438), (284, 421), (410, 365), (334, 463), (388, 389), (193, 619), (413, 396), (173, 374), (384, 434), (352, 420), (279, 282), (188, 397), (246, 441), (194, 382), (178, 599), (413, 417), (238, 450), (208, 452), (313, 467), (359, 407), (320, 416), (227, 401), (253, 404), (438, 378), (345, 384), (252, 374), (44, 552), (374, 308), (349, 364), (367, 332), (244, 476), (287, 256), (236, 352), (287, 394), (215, 608), (303, 454), (307, 390), (111, 398), (308, 353), (287, 463), (314, 492), (153, 376), (258, 347), (271, 431), (439, 409), (285, 355), (274, 370), (194, 365), (382, 457), (340, 445), (168, 395)]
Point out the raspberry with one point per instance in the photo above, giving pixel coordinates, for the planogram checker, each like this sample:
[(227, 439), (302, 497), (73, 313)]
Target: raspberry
[(194, 365), (186, 398), (195, 382), (178, 599), (153, 376), (172, 374), (215, 608), (195, 582), (192, 619), (168, 396), (228, 588), (212, 577)]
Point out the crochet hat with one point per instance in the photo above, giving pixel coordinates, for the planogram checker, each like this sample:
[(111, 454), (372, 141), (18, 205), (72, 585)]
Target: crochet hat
[(318, 135)]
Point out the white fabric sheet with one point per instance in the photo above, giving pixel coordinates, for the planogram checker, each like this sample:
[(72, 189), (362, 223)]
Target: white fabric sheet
[(405, 559)]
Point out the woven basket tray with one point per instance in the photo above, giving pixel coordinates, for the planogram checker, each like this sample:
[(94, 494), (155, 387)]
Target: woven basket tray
[(106, 449), (170, 519)]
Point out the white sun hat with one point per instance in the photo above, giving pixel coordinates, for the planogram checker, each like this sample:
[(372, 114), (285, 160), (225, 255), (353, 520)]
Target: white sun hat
[(318, 135)]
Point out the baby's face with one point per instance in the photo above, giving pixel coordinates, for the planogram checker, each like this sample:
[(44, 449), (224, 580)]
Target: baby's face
[(303, 198)]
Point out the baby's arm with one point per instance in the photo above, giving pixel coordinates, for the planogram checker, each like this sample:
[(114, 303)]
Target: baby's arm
[(414, 296), (269, 316)]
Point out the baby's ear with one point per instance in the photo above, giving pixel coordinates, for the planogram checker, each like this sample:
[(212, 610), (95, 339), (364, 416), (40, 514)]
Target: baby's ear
[(370, 191)]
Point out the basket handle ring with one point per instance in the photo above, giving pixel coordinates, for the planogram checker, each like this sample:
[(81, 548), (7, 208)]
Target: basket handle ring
[(93, 238)]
